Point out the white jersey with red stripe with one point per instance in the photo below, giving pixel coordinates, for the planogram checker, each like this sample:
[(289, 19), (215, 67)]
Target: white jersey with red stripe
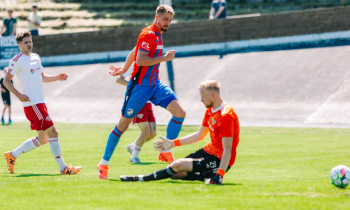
[(28, 70)]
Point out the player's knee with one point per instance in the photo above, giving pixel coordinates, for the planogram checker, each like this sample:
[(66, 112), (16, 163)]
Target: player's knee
[(145, 133), (152, 135), (177, 165), (181, 113)]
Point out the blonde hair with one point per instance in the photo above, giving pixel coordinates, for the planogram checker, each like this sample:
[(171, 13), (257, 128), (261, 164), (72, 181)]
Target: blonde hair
[(212, 85), (161, 9)]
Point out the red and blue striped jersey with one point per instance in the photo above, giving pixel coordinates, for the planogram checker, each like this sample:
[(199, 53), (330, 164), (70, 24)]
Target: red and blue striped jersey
[(150, 41)]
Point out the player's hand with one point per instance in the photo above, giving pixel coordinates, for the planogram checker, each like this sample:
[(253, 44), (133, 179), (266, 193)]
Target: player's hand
[(115, 71), (163, 144), (211, 17), (217, 179), (23, 98), (62, 77), (170, 55)]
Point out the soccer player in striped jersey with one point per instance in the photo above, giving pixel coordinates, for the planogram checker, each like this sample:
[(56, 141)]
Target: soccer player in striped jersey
[(145, 86), (210, 163), (27, 66)]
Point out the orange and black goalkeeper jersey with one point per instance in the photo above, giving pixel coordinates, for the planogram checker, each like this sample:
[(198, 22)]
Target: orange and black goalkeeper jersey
[(222, 122)]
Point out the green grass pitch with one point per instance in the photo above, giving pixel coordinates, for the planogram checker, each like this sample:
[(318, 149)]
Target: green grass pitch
[(276, 168)]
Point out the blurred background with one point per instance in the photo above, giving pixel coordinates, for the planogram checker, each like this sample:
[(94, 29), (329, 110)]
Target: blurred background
[(281, 63)]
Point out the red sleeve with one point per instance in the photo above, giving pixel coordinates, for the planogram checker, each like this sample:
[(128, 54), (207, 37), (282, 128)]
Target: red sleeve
[(205, 119), (146, 41), (226, 126)]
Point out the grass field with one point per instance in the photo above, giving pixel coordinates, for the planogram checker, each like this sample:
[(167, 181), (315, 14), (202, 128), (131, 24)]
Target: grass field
[(276, 168)]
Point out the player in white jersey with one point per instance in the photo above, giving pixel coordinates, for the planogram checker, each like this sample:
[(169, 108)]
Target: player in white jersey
[(145, 120), (27, 66)]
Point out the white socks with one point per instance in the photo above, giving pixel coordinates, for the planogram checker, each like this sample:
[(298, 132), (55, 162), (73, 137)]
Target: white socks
[(27, 146), (136, 151), (104, 162), (57, 152), (169, 150)]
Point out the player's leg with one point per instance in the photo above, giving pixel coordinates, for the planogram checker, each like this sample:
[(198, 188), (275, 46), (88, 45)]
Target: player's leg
[(141, 139), (180, 165), (9, 107), (136, 97), (52, 137), (153, 131), (167, 99), (3, 113)]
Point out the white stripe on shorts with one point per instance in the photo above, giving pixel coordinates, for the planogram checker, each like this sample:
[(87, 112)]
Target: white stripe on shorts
[(37, 112)]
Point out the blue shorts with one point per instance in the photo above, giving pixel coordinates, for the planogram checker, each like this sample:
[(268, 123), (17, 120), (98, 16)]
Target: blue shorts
[(136, 97), (34, 32)]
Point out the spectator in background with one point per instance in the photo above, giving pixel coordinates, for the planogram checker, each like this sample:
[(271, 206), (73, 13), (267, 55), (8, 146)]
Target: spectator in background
[(10, 23), (5, 95), (34, 21), (218, 9)]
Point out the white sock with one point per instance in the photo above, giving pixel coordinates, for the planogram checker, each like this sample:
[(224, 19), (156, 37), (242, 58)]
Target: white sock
[(104, 162), (27, 146), (57, 153), (136, 151), (169, 150), (133, 144)]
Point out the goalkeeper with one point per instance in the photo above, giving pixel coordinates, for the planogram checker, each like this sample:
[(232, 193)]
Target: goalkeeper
[(210, 163)]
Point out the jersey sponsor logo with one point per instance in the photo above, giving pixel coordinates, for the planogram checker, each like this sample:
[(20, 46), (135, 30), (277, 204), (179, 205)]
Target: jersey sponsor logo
[(48, 118), (32, 71), (145, 45), (37, 69), (140, 116), (130, 112), (160, 47)]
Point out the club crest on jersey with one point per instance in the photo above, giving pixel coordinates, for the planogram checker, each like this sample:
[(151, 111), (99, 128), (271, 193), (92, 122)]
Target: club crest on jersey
[(213, 121), (140, 116), (32, 71), (130, 112), (145, 45), (48, 118)]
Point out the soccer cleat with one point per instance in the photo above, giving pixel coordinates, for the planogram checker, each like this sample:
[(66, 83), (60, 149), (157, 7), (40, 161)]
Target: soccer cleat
[(135, 160), (69, 170), (166, 157), (129, 149), (102, 171), (10, 121), (10, 161), (125, 178), (2, 121)]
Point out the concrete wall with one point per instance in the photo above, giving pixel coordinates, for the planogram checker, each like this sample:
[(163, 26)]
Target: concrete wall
[(199, 32)]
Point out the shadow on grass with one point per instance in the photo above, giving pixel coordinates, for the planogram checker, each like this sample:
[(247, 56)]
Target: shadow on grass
[(30, 175), (144, 163), (194, 182), (176, 182)]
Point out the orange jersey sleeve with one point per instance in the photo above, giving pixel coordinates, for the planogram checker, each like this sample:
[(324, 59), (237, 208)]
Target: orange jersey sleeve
[(205, 119), (145, 42), (226, 126)]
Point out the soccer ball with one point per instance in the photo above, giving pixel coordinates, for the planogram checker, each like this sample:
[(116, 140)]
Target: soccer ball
[(340, 176)]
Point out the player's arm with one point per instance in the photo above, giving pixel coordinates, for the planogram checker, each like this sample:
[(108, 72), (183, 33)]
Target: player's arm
[(8, 84), (221, 8), (144, 60), (52, 78), (13, 29), (115, 71), (211, 13), (165, 144), (122, 81), (225, 159), (2, 28)]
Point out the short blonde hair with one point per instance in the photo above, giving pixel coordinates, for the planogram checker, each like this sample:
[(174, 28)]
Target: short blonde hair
[(161, 9), (212, 85)]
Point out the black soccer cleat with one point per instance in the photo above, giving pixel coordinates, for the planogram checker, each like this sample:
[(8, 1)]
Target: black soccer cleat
[(125, 178)]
